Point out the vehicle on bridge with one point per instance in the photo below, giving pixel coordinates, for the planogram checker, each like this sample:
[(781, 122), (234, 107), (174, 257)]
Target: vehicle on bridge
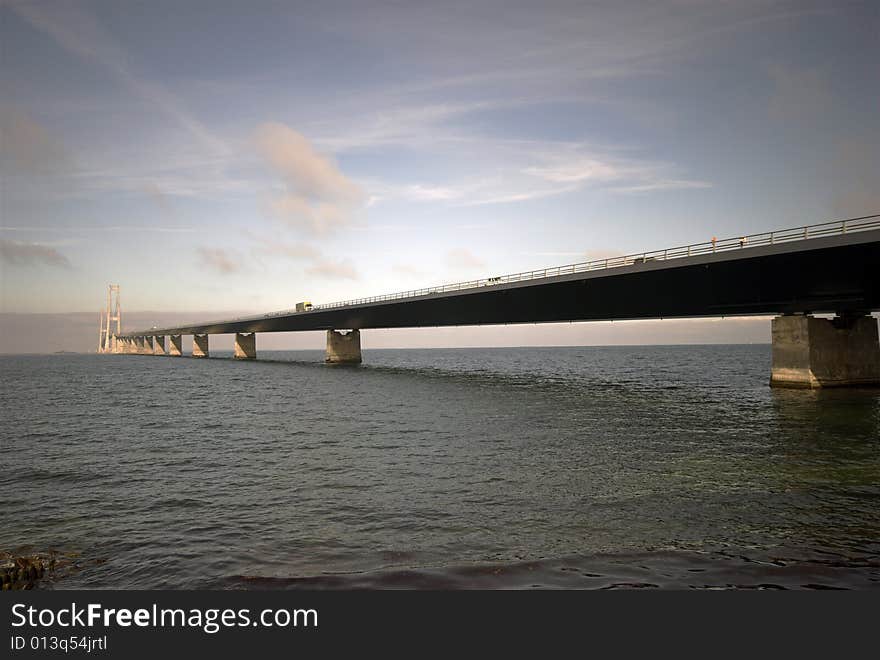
[(304, 306)]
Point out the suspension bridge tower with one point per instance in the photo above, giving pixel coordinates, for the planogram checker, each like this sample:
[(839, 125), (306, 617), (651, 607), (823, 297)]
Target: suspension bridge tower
[(107, 331)]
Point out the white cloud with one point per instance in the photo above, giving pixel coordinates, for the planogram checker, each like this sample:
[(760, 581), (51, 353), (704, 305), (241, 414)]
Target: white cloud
[(219, 260), (319, 265), (578, 171), (301, 251), (422, 192), (18, 253), (505, 197), (463, 258), (391, 121), (79, 32), (330, 269), (407, 271), (318, 198), (661, 185), (523, 170), (799, 94), (75, 229), (26, 147)]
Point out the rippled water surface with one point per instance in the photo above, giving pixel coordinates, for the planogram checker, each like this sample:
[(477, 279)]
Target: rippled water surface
[(554, 467)]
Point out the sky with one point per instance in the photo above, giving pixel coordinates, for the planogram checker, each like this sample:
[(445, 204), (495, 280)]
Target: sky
[(246, 156)]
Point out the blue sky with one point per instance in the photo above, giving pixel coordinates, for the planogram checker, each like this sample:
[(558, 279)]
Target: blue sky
[(245, 156)]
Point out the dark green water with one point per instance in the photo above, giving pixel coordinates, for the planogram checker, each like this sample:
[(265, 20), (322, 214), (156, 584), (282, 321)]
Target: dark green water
[(556, 467)]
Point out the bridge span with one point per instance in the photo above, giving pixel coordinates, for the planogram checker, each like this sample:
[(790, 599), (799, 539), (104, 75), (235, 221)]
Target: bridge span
[(830, 268)]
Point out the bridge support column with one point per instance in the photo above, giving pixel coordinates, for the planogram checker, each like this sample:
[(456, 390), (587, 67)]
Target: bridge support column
[(148, 346), (245, 346), (176, 348), (159, 346), (343, 348), (200, 346), (809, 352)]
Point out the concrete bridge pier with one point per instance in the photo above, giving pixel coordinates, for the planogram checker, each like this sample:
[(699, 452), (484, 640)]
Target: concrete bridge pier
[(159, 346), (200, 346), (139, 345), (809, 352), (343, 348), (148, 346), (245, 346), (176, 347)]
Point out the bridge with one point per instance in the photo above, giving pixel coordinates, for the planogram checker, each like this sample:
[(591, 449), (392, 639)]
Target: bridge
[(829, 268)]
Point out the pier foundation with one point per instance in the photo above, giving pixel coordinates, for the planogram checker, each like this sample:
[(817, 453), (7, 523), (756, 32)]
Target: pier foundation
[(159, 346), (245, 346), (200, 346), (810, 352), (343, 348), (176, 347), (148, 346)]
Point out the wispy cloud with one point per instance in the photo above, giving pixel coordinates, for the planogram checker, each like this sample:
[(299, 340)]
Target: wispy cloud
[(463, 258), (80, 33), (318, 264), (318, 197), (336, 270), (530, 170), (562, 253), (577, 171), (166, 171), (857, 191), (578, 257), (26, 147), (392, 120), (19, 253), (219, 260), (517, 194), (74, 229), (407, 270), (662, 185), (799, 94), (299, 251)]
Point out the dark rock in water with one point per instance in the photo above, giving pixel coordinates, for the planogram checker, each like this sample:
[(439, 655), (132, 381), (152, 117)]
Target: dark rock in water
[(21, 572), (24, 571)]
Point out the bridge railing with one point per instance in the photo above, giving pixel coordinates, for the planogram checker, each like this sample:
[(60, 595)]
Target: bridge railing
[(850, 225)]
